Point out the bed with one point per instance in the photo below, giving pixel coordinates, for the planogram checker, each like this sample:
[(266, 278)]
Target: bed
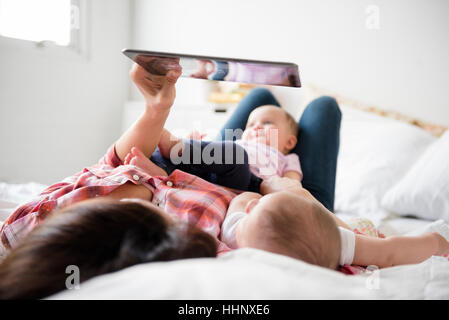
[(389, 171)]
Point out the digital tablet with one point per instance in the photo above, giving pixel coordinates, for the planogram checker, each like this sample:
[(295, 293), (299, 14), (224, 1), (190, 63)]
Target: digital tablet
[(216, 68)]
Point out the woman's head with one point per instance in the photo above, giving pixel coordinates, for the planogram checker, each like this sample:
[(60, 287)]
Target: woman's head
[(97, 236)]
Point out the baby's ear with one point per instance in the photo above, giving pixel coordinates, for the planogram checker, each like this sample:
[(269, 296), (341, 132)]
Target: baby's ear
[(291, 142)]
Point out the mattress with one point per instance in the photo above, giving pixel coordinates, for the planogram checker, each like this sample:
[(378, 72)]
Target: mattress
[(256, 274)]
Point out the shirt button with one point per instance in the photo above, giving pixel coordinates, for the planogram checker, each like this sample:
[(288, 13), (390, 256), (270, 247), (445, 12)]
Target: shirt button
[(136, 177), (169, 184)]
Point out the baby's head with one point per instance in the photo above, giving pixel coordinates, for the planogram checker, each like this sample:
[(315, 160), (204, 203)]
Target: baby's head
[(272, 126), (294, 226)]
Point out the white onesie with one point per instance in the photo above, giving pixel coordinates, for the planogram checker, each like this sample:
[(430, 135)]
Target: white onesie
[(230, 223)]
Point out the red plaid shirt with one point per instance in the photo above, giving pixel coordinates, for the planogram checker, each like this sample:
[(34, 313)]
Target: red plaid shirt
[(192, 199)]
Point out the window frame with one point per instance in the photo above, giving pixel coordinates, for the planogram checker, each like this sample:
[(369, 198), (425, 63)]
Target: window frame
[(78, 46)]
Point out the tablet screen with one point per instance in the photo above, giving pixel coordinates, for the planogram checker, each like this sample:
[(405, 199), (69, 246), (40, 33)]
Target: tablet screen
[(220, 69)]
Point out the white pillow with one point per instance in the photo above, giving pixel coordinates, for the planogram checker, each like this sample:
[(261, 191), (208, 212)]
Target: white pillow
[(241, 274), (252, 274), (424, 190), (375, 153)]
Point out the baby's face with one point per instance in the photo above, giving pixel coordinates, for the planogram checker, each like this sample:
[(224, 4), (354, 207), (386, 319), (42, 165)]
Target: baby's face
[(269, 125)]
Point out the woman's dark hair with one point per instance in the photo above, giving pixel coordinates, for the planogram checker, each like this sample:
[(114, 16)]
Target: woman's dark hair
[(98, 237)]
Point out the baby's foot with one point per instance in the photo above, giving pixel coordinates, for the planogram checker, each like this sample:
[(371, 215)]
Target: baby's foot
[(138, 159)]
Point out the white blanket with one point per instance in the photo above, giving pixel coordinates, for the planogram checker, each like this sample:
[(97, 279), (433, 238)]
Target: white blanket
[(256, 274)]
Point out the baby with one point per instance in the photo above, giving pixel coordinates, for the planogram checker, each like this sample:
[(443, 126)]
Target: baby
[(270, 134), (293, 223), (283, 223), (263, 151)]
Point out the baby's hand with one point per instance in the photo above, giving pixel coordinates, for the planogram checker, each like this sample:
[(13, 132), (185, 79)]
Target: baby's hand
[(196, 135), (138, 159)]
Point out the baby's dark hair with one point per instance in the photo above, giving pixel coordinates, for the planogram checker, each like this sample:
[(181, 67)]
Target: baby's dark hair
[(98, 237)]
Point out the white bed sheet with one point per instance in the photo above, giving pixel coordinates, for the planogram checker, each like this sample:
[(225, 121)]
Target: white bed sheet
[(255, 274), (12, 195)]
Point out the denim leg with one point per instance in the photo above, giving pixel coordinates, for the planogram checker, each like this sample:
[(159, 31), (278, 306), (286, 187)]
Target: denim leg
[(317, 148), (255, 98), (318, 140)]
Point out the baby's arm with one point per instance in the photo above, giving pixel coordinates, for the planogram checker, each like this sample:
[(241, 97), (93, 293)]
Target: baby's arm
[(398, 250), (167, 142), (293, 175)]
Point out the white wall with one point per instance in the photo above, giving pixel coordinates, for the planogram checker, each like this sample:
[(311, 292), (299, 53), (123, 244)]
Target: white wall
[(403, 65), (60, 112)]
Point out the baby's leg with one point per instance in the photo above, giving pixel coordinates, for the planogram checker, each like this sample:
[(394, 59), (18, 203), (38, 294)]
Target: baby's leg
[(138, 159), (224, 163), (221, 162), (234, 171)]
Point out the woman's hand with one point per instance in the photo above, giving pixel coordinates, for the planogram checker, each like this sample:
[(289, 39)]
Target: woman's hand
[(157, 87)]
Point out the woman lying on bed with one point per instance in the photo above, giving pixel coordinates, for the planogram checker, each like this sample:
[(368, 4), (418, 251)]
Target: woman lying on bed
[(179, 216), (183, 219)]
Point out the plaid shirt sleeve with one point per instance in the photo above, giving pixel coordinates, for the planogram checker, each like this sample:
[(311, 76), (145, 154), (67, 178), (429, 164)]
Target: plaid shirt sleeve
[(99, 180)]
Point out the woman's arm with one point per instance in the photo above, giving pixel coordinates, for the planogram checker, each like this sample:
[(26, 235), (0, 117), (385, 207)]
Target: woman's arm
[(398, 250), (167, 142), (159, 93)]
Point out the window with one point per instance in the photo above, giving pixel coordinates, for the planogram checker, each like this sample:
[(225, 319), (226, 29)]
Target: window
[(41, 21)]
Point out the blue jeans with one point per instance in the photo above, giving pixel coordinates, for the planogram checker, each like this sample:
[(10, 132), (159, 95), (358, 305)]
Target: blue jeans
[(318, 140)]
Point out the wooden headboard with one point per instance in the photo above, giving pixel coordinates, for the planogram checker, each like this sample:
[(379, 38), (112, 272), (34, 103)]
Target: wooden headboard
[(313, 92)]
